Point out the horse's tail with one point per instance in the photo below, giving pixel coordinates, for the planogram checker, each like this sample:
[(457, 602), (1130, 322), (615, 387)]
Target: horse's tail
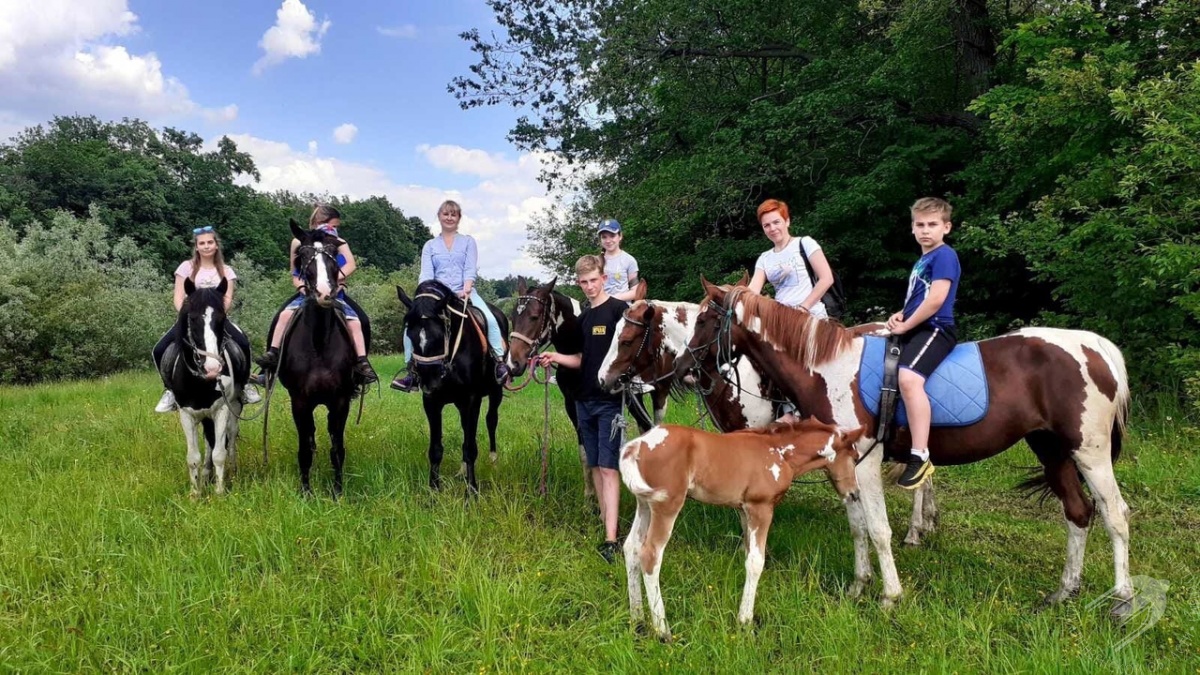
[(1116, 362)]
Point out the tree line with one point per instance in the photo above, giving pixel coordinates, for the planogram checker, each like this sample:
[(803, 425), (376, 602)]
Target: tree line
[(1064, 134)]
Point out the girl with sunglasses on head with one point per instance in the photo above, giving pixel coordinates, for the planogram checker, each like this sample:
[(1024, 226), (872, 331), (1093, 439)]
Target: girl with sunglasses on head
[(206, 268)]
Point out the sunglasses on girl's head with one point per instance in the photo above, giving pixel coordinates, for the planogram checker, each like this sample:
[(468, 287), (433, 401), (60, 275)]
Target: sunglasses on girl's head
[(202, 230)]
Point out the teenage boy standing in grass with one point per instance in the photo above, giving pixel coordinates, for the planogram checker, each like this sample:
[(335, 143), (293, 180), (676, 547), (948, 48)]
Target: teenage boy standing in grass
[(925, 326), (598, 410)]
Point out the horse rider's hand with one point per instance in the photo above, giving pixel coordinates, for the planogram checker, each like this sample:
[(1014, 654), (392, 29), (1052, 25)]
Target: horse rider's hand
[(464, 294), (895, 323)]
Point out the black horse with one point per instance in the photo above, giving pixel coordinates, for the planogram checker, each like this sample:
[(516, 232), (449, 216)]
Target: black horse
[(453, 366), (206, 371), (316, 363)]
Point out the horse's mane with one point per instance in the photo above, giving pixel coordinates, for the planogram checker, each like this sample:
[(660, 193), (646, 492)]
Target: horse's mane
[(814, 341), (776, 428), (434, 286)]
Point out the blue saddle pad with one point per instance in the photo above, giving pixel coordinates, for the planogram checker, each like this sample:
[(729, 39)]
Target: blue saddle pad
[(958, 391)]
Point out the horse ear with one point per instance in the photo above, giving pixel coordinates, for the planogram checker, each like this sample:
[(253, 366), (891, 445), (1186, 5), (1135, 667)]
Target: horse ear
[(648, 314), (640, 293), (851, 437), (189, 286), (550, 286), (745, 280), (709, 289), (404, 299), (296, 231), (521, 289)]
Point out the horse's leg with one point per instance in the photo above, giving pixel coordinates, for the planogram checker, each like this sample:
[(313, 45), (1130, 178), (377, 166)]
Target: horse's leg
[(915, 523), (1094, 459), (662, 521), (660, 396), (870, 490), (210, 441), (633, 547), (220, 449), (758, 522), (193, 450), (336, 423), (493, 419), (433, 415), (306, 429), (468, 411), (231, 439), (1063, 480)]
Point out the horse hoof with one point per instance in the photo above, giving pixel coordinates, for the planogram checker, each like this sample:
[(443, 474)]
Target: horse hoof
[(857, 588), (912, 540), (494, 457), (889, 603), (1057, 597), (1121, 610), (194, 495)]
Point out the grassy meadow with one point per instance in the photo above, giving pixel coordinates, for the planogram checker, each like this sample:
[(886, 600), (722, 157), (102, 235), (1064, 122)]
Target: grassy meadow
[(107, 565)]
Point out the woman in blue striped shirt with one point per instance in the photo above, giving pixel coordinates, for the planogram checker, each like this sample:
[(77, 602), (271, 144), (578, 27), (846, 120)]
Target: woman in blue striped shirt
[(453, 259)]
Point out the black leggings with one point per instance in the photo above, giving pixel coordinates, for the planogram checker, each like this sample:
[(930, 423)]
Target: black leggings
[(231, 329)]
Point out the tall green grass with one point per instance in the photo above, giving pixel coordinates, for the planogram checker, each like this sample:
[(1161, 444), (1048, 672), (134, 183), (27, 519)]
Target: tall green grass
[(105, 564)]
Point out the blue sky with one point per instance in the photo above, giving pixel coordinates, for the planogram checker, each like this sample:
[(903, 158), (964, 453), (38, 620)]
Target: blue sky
[(279, 77)]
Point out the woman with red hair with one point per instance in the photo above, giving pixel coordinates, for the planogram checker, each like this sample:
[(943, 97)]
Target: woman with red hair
[(795, 266)]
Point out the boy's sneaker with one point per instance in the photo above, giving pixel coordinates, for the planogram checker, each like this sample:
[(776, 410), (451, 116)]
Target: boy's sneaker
[(167, 403), (915, 473), (608, 550)]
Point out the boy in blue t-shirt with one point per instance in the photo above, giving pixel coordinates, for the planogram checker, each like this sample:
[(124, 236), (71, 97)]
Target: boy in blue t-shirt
[(925, 327)]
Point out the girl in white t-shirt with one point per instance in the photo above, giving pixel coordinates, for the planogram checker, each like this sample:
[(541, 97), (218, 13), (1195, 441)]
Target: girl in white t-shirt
[(620, 268), (783, 267), (205, 269)]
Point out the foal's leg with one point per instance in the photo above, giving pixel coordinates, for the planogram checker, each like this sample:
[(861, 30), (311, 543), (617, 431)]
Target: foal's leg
[(660, 396), (633, 547), (662, 521), (1096, 465), (758, 522), (193, 450)]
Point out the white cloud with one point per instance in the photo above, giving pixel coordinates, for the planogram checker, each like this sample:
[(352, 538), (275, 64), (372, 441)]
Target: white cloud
[(345, 133), (60, 56), (406, 31), (458, 159), (312, 147), (296, 34), (496, 211)]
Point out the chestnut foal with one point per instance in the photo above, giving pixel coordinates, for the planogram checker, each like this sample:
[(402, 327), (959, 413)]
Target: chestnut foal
[(748, 470)]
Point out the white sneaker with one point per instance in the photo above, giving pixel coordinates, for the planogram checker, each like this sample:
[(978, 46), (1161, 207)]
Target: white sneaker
[(250, 395), (167, 403)]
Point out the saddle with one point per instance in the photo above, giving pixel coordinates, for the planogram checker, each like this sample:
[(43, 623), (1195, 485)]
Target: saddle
[(958, 389), (479, 320)]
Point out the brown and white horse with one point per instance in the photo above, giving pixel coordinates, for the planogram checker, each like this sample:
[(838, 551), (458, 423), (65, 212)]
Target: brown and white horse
[(651, 336), (747, 470), (1065, 392)]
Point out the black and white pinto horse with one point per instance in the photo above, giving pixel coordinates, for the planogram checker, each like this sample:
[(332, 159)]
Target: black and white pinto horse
[(316, 357), (207, 372), (454, 366)]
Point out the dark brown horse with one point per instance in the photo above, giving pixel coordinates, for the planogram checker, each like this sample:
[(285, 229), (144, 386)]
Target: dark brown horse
[(544, 317), (1065, 392)]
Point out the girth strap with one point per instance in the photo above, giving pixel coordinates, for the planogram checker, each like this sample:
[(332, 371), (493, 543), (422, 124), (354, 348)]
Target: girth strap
[(889, 393)]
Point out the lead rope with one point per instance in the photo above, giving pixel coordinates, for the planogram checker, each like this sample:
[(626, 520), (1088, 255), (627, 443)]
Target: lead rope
[(545, 431)]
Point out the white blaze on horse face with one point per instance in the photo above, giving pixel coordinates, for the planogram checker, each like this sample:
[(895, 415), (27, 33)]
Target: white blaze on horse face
[(323, 285), (422, 340), (654, 437), (611, 356), (211, 365)]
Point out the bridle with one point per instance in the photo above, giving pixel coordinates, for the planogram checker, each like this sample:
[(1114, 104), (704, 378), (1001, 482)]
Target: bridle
[(630, 371), (309, 252), (545, 327), (447, 354)]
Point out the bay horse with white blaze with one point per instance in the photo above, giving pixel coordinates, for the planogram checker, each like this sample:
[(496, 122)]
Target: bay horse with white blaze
[(317, 358), (543, 317), (454, 366), (747, 470), (1065, 392), (207, 372)]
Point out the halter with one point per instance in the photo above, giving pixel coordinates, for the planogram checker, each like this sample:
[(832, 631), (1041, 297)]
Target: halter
[(627, 376), (441, 359), (309, 252), (546, 327)]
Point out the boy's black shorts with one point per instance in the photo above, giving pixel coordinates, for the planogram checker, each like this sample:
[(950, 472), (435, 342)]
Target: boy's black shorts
[(923, 348)]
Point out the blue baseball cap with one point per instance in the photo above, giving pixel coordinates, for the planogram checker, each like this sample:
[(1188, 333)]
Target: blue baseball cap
[(609, 225)]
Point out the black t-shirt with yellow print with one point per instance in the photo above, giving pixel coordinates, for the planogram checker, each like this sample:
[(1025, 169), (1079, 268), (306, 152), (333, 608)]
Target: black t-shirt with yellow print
[(598, 329)]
